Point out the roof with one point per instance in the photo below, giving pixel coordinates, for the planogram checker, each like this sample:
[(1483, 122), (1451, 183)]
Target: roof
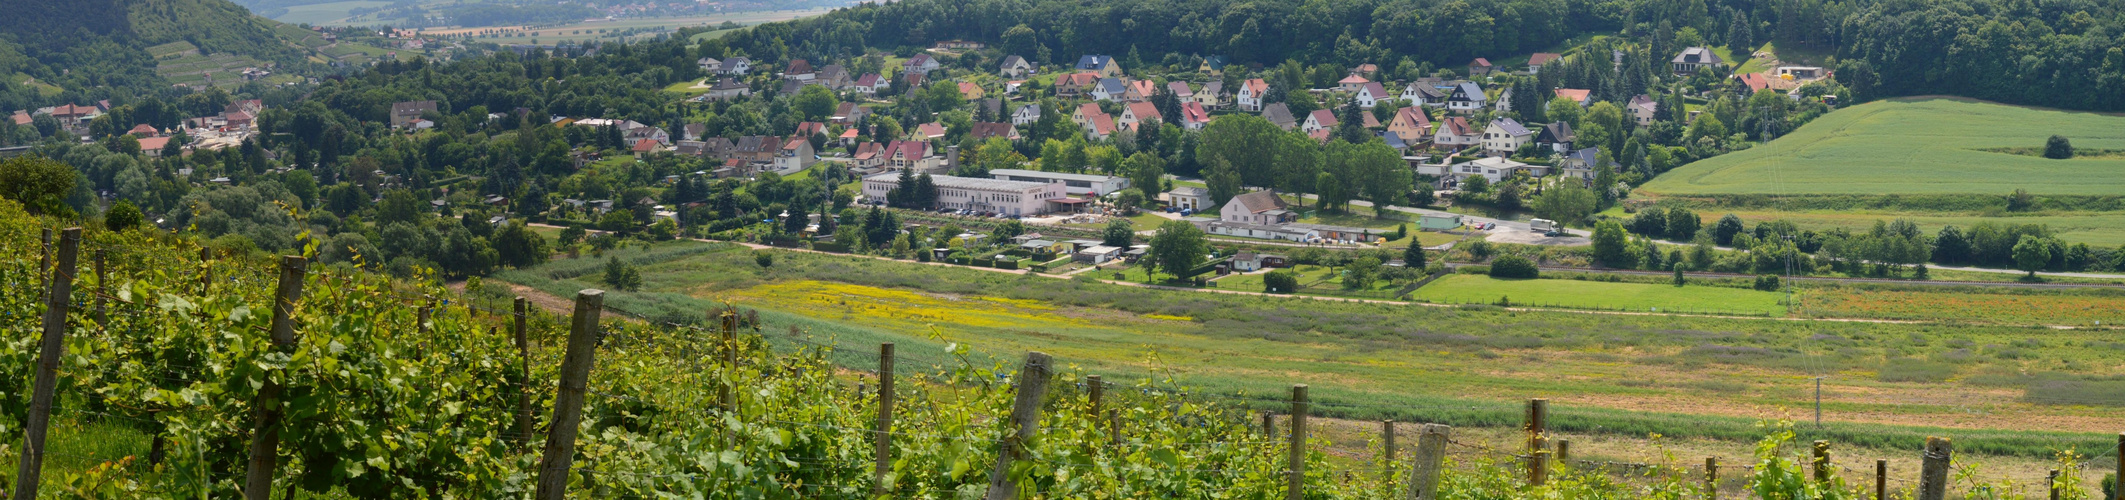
[(1353, 79), (1190, 191), (869, 80), (412, 107), (985, 130), (1588, 155), (1510, 126), (806, 129), (153, 143), (969, 88), (1100, 250), (645, 145), (1646, 102), (142, 130), (1455, 125), (1541, 58), (1015, 172), (851, 133), (1144, 87), (1423, 89), (952, 181), (1145, 111), (1113, 86), (1413, 116), (798, 67), (1255, 86), (1755, 81), (1470, 90), (1697, 55), (917, 60), (1093, 62), (1375, 89), (1077, 79), (1578, 95), (1324, 118), (1370, 121), (1279, 114), (1013, 60), (1480, 62), (1102, 123), (1215, 62), (868, 150), (1558, 131), (1259, 201), (1193, 112)]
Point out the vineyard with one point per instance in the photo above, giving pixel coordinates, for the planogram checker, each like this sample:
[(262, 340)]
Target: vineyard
[(191, 374)]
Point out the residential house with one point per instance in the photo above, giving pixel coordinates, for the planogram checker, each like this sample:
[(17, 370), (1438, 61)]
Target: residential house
[(849, 113), (848, 137), (1351, 83), (1466, 98), (959, 45), (970, 91), (645, 147), (693, 131), (709, 65), (868, 158), (870, 84), (792, 87), (1259, 207), (1252, 94), (805, 130), (1075, 84), (795, 156), (1280, 115), (1319, 120), (1535, 62), (1139, 112), (800, 70), (1479, 67), (1140, 90), (1084, 112), (833, 76), (727, 89), (1193, 116), (1371, 94), (1110, 89), (1557, 136), (921, 64), (1098, 125), (1102, 64), (736, 66), (1181, 91), (1368, 70), (1454, 132), (913, 80), (759, 149), (929, 131), (1495, 168), (717, 147), (1015, 67), (982, 131), (1212, 96), (1250, 261), (1643, 109), (1411, 125), (1579, 164), (1756, 82), (1692, 59), (1188, 198), (1213, 66), (1504, 136), (918, 155), (1576, 95), (152, 146), (402, 114), (690, 148), (1505, 100), (1423, 94), (1026, 115), (143, 131)]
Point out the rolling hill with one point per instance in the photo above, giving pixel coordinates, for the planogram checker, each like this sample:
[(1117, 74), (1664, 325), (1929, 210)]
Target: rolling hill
[(91, 43)]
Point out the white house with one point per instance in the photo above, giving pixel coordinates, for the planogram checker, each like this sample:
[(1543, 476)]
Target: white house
[(1025, 115), (1320, 119), (1259, 207), (921, 64), (1466, 98), (1495, 168), (1109, 89), (1371, 94), (1423, 94), (1250, 97), (1193, 116), (1691, 59), (1188, 198), (1015, 67), (1504, 136), (1455, 133), (1643, 109), (991, 195)]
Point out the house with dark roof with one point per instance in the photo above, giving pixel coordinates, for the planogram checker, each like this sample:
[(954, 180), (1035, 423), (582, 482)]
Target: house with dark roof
[(1504, 136), (1319, 120), (1419, 93), (1580, 163), (1557, 136), (833, 76), (1212, 65), (1466, 97), (799, 69), (870, 83), (1692, 59), (403, 114), (1371, 94), (920, 64), (1102, 64), (1280, 115), (1025, 114), (982, 131), (848, 113), (1110, 89), (1015, 67)]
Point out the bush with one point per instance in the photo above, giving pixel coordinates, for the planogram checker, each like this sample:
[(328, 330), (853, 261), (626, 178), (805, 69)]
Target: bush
[(1768, 283), (1484, 270), (1280, 281), (2058, 148), (1513, 267), (763, 258)]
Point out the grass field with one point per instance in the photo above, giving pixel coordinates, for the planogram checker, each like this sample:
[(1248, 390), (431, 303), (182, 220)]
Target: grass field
[(1914, 146), (326, 14), (2101, 229), (1887, 385), (1475, 289), (610, 30)]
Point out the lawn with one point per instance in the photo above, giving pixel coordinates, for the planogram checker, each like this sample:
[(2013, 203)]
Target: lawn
[(1615, 375), (1476, 289), (1914, 146)]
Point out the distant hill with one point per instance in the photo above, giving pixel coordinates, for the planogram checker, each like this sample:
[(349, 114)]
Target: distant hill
[(81, 44)]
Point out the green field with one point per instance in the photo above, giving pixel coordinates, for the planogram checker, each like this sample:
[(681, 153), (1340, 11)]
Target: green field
[(1914, 146), (1476, 289), (326, 14)]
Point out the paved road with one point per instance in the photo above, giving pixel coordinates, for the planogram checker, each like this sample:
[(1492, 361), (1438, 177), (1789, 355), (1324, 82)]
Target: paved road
[(1994, 284)]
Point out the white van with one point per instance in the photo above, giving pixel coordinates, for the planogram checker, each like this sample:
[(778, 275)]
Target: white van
[(1542, 225)]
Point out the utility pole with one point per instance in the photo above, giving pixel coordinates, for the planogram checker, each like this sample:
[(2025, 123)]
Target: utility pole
[(1818, 403)]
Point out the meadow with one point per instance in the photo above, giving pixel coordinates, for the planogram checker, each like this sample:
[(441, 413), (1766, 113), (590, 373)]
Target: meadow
[(326, 14), (1927, 145), (1610, 375), (1478, 289)]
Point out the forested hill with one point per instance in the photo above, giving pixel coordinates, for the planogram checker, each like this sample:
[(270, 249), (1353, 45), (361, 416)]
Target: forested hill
[(79, 44), (2064, 53)]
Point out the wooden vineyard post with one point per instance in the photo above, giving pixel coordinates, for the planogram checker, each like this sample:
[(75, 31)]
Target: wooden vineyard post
[(1431, 452), (1269, 425), (523, 352), (102, 289), (1295, 471), (1564, 451), (44, 263), (52, 346), (427, 310), (559, 454), (1881, 479), (1114, 426), (1711, 478), (1537, 457), (265, 410), (2118, 492), (1025, 421), (1095, 391), (1933, 474), (1387, 450), (206, 270), (1822, 461), (2052, 483), (882, 451), (728, 339)]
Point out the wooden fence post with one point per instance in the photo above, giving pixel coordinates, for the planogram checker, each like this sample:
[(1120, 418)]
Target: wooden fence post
[(2118, 491), (517, 329), (729, 350), (102, 289), (1095, 392), (44, 263), (60, 287), (1025, 421), (1387, 449), (1269, 425), (1537, 457), (882, 450), (206, 270), (1711, 478), (1881, 479), (1933, 475), (559, 455), (1822, 460), (2052, 483), (1564, 451), (1424, 474), (427, 310), (265, 410), (1295, 474), (1114, 426)]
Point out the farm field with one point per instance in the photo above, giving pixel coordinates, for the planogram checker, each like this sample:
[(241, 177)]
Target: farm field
[(1610, 375), (326, 14), (609, 30), (1478, 289), (2087, 309), (1914, 146), (2101, 229)]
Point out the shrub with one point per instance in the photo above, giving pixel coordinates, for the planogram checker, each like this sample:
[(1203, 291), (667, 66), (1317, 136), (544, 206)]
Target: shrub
[(1473, 270), (1768, 283), (764, 259), (1280, 281), (2058, 148), (1514, 267)]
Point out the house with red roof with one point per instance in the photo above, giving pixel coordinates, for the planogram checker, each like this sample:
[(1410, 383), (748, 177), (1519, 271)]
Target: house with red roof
[(1139, 112), (1535, 62), (1479, 67), (1193, 116)]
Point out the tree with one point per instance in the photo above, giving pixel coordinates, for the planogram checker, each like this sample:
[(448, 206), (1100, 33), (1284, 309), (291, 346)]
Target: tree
[(399, 205), (2032, 254), (520, 247), (40, 185), (1413, 257), (1224, 183), (1508, 197), (796, 220), (1950, 246), (1724, 231), (1568, 202), (1564, 109), (2058, 148), (1361, 273), (1119, 233), (1682, 224), (122, 217), (1280, 281), (764, 258), (1514, 267), (1129, 200), (2020, 200), (622, 275), (1612, 246), (1146, 172), (1177, 248)]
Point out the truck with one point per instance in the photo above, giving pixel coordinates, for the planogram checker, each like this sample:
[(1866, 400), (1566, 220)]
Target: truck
[(1544, 226)]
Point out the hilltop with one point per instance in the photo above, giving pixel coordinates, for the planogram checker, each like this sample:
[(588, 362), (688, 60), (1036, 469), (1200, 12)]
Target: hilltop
[(120, 43)]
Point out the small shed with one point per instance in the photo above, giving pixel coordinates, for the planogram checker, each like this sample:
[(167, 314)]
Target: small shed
[(1439, 222), (1098, 254)]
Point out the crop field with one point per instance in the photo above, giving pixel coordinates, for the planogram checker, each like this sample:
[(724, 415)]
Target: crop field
[(601, 30), (326, 14), (1477, 289), (1624, 376), (2086, 309), (1914, 146)]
